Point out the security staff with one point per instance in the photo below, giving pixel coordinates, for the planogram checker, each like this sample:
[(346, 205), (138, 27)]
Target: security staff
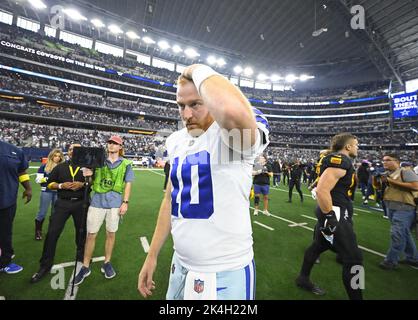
[(13, 164), (68, 179), (334, 229)]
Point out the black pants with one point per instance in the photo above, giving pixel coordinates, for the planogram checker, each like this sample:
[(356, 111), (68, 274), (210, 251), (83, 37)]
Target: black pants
[(285, 177), (63, 210), (345, 245), (7, 216), (295, 183)]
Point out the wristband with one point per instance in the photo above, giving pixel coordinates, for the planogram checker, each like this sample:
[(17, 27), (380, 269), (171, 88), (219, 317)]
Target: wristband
[(200, 74), (60, 186), (23, 178)]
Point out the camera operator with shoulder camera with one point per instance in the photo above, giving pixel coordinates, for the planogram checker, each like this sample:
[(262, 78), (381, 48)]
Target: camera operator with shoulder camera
[(112, 188), (68, 180), (400, 203)]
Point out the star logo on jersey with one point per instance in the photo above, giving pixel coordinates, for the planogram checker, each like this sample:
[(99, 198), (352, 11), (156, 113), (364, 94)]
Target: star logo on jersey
[(199, 285), (405, 113)]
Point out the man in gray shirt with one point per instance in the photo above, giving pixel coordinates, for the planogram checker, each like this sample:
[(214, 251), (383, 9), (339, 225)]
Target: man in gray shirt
[(399, 199)]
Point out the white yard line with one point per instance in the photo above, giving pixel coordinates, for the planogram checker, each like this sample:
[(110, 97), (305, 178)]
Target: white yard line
[(312, 218), (301, 225), (160, 174), (298, 224), (68, 295), (144, 243), (263, 225)]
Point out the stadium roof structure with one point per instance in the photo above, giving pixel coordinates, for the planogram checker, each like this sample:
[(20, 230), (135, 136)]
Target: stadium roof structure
[(287, 36)]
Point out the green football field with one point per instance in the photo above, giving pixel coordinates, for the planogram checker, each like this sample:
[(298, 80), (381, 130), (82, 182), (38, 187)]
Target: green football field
[(279, 244)]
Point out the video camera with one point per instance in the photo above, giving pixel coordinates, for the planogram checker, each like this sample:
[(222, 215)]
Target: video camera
[(380, 172), (88, 157)]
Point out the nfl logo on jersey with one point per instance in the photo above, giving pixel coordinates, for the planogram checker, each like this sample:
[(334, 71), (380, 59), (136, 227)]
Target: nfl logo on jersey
[(199, 285)]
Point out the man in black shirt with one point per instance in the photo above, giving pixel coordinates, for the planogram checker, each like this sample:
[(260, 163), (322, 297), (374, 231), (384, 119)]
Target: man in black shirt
[(296, 171), (68, 179), (334, 229), (277, 170), (262, 173)]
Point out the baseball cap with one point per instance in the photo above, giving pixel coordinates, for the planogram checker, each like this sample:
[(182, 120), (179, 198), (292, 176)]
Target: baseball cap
[(116, 139), (406, 164)]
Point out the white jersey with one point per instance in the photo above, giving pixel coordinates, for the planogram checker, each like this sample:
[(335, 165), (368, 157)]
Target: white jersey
[(210, 219)]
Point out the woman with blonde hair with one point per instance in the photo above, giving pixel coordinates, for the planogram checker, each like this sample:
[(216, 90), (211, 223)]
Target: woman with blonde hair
[(48, 196)]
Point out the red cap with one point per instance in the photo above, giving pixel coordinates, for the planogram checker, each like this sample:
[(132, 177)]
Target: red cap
[(116, 139)]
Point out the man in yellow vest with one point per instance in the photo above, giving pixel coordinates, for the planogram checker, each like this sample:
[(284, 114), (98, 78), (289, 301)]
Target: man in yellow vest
[(112, 188), (400, 204)]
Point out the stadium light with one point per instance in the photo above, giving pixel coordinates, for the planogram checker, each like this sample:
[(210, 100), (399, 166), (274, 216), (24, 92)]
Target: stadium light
[(211, 60), (114, 29), (275, 78), (37, 4), (97, 23), (238, 69), (163, 45), (148, 40), (74, 14), (248, 71), (305, 77), (221, 62), (176, 48), (132, 35), (262, 77), (290, 78), (191, 53)]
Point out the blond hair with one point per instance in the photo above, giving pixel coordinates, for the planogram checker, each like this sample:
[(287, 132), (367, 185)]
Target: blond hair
[(50, 164)]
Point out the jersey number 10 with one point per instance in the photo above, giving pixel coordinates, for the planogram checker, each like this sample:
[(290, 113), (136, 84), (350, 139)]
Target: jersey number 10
[(204, 208)]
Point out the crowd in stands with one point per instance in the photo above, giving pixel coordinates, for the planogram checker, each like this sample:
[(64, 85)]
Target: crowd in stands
[(63, 94), (376, 140), (88, 116), (42, 136), (18, 35)]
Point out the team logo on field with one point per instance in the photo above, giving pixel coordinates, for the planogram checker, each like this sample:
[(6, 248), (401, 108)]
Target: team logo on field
[(336, 160), (199, 285)]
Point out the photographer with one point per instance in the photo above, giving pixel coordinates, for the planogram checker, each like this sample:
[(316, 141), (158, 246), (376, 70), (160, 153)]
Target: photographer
[(69, 181), (112, 188), (400, 204)]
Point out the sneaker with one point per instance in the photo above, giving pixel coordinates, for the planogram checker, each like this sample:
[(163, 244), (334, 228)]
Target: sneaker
[(385, 217), (266, 213), (256, 212), (387, 265), (108, 270), (309, 286), (11, 268), (365, 202), (317, 261), (412, 263), (81, 275)]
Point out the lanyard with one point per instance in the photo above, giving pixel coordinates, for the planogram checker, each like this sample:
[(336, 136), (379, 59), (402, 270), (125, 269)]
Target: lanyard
[(72, 171)]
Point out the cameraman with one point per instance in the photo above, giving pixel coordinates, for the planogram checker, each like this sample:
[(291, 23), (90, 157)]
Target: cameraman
[(401, 206), (69, 181), (112, 188)]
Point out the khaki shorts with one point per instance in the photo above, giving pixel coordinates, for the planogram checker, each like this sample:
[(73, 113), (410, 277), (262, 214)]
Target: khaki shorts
[(96, 216)]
